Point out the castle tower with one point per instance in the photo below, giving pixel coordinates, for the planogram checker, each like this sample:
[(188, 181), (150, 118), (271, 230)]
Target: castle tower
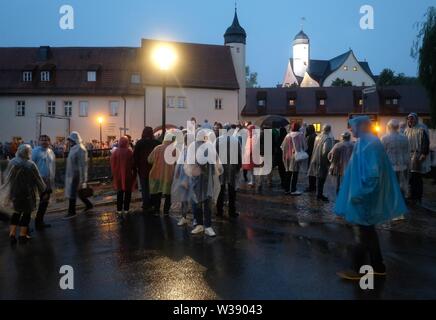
[(235, 37), (300, 53)]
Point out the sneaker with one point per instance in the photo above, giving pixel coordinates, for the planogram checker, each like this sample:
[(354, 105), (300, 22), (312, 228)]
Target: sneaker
[(119, 213), (198, 229), (182, 221), (349, 275), (209, 232), (296, 193), (69, 216)]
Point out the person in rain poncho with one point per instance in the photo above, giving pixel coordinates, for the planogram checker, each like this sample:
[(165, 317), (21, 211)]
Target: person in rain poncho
[(161, 175), (229, 151), (203, 168), (419, 156), (22, 183), (142, 150), (248, 161), (310, 141), (124, 174), (339, 157), (319, 164), (397, 148), (76, 176), (369, 195), (294, 142), (45, 160), (181, 187)]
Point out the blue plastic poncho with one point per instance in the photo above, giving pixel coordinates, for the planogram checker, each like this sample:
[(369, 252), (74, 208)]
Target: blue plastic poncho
[(370, 193)]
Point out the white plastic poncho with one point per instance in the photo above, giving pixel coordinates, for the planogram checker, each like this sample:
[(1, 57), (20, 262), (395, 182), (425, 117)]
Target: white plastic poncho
[(45, 160), (418, 136), (319, 163), (397, 148), (77, 164)]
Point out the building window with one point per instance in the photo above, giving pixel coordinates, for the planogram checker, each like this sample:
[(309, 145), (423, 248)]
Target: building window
[(388, 101), (360, 102), (20, 108), (181, 102), (27, 76), (113, 108), (354, 68), (261, 103), (363, 84), (317, 127), (51, 108), (135, 78), (218, 104), (394, 101), (171, 102), (238, 50), (322, 102), (92, 76), (83, 108), (68, 108), (45, 76), (292, 102), (346, 68)]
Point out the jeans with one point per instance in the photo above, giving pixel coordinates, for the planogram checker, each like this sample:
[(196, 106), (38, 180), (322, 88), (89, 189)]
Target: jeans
[(291, 179), (202, 213), (123, 200), (42, 208), (156, 201), (367, 243), (145, 191), (232, 200)]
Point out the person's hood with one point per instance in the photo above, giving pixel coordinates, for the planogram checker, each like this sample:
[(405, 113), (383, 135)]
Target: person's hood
[(356, 122), (295, 133), (24, 152), (124, 143), (75, 137), (147, 133)]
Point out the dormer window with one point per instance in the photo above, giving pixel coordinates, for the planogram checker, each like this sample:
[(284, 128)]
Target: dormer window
[(395, 101), (345, 68), (354, 68), (322, 102), (45, 76), (27, 76), (261, 103), (135, 78), (91, 76), (291, 102)]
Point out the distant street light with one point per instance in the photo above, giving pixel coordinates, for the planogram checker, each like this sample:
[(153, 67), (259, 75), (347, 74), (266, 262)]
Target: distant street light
[(164, 57), (100, 120)]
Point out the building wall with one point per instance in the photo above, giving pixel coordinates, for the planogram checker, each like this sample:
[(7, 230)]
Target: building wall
[(200, 103), (238, 56), (27, 127), (356, 77)]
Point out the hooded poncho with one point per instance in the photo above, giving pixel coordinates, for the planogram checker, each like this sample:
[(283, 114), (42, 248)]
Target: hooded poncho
[(161, 173), (123, 168), (369, 193), (45, 160), (339, 157), (319, 163), (419, 145), (293, 142), (22, 182), (77, 164)]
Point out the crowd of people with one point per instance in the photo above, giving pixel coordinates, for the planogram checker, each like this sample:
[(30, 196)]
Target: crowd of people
[(373, 176)]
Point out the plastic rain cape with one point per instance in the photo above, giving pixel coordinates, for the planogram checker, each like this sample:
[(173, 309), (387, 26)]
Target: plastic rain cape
[(370, 193)]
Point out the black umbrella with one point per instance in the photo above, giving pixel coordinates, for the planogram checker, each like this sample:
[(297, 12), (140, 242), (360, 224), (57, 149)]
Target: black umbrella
[(274, 122)]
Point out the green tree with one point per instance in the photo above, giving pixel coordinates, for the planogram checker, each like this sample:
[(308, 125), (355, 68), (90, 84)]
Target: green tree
[(388, 78), (250, 78), (424, 49), (341, 83)]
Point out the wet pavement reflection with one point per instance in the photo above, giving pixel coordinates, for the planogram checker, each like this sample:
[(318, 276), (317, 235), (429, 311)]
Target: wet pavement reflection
[(277, 249)]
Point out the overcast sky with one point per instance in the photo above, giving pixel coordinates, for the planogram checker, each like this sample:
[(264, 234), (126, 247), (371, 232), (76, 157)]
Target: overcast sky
[(332, 26)]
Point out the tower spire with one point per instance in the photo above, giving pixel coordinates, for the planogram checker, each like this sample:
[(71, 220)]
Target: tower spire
[(303, 19)]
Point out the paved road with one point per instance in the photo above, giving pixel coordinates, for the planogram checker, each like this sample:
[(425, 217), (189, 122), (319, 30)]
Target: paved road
[(258, 256)]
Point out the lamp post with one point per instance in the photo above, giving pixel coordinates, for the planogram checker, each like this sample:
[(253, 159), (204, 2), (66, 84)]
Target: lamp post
[(100, 121), (164, 58)]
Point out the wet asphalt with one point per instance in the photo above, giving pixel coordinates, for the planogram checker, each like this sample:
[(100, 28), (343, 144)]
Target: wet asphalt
[(252, 257)]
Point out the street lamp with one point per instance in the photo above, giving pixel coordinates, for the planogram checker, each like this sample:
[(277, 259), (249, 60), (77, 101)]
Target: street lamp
[(164, 57), (100, 121)]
